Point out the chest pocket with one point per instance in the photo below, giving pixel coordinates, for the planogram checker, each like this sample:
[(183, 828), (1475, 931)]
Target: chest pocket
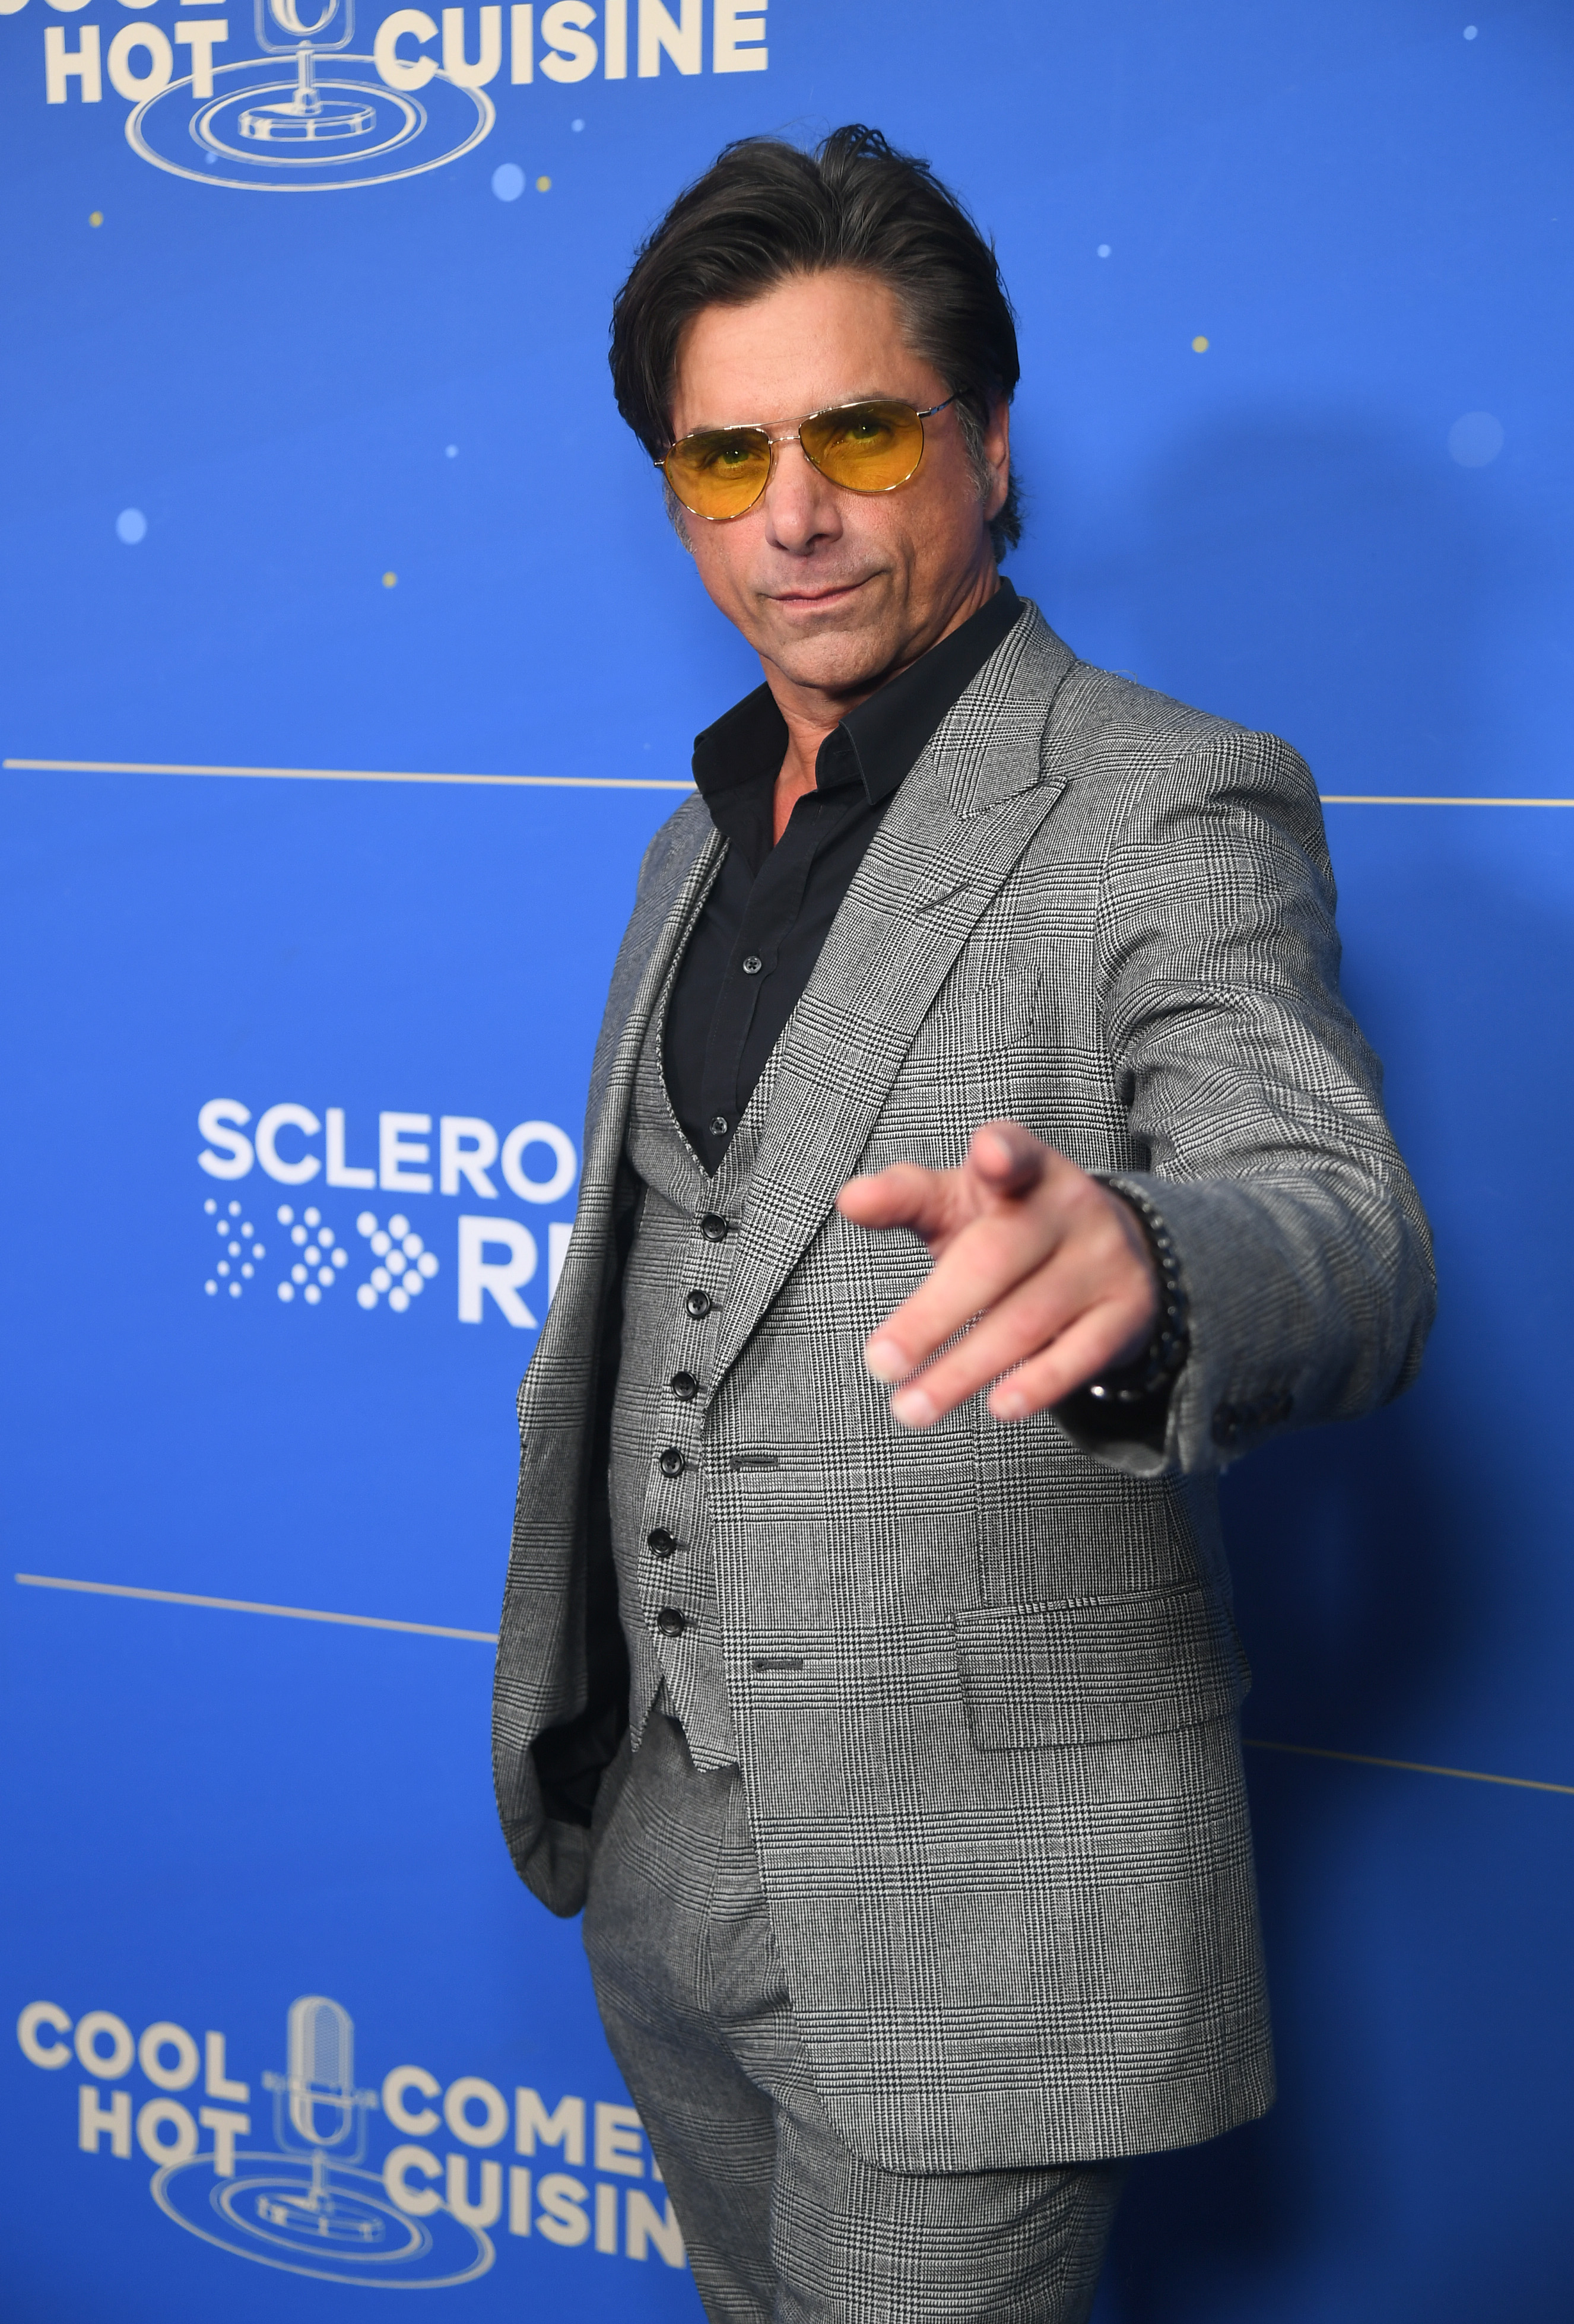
[(989, 1006)]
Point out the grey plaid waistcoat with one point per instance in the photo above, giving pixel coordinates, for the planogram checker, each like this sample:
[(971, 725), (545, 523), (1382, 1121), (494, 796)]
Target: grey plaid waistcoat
[(669, 1266), (984, 1678)]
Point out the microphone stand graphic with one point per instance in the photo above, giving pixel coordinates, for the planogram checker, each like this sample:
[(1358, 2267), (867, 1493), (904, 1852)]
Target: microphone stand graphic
[(320, 2083), (340, 2222), (306, 118), (307, 114)]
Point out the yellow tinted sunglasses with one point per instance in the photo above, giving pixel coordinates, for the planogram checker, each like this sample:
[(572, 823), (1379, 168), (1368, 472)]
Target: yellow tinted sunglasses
[(719, 473)]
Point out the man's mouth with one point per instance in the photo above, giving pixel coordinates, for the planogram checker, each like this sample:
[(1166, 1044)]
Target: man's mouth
[(828, 596)]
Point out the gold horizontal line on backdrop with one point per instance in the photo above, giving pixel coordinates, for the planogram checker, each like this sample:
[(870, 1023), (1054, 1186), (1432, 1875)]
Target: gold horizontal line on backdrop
[(344, 775), (252, 1606), (593, 782), (1408, 1767), (489, 1639)]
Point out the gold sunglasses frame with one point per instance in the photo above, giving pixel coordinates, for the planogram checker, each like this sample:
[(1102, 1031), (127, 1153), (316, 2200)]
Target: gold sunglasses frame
[(795, 436)]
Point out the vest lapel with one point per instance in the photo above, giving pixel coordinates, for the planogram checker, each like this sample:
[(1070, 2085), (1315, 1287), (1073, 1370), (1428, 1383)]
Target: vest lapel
[(615, 1080)]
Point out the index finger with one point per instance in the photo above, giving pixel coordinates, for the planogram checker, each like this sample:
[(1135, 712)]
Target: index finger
[(987, 1259)]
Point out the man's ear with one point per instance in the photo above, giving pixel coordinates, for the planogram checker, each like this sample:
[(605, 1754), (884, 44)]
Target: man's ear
[(995, 448)]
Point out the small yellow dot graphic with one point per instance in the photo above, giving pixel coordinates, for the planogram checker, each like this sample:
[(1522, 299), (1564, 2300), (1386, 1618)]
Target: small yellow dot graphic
[(1199, 345), (391, 580), (96, 217), (543, 185)]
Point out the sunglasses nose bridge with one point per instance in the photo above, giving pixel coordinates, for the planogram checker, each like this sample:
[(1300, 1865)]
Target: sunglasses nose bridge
[(778, 442), (793, 436)]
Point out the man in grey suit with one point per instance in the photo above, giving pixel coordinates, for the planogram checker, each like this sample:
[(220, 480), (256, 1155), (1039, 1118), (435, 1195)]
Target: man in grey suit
[(979, 1156)]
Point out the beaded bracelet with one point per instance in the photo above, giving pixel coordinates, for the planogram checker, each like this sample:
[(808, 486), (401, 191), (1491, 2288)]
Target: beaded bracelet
[(1160, 1362)]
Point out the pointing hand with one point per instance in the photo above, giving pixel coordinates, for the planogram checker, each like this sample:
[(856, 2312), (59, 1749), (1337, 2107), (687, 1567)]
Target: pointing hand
[(1054, 1269)]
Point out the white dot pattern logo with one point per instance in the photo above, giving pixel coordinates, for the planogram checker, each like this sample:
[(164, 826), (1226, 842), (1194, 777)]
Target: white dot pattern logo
[(317, 1255), (238, 1249), (313, 1257), (402, 1265)]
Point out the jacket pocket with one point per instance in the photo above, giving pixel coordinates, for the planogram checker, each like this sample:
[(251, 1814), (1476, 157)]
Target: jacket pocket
[(1096, 1670)]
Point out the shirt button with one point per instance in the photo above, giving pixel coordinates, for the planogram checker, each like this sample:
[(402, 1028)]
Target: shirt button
[(671, 1622), (671, 1463), (718, 1125), (683, 1386), (660, 1543), (699, 1304), (714, 1226), (753, 964)]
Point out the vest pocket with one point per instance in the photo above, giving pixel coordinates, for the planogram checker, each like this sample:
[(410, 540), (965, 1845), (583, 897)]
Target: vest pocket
[(1096, 1670)]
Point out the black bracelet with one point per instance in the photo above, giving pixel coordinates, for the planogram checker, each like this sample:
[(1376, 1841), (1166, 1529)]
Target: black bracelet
[(1160, 1362)]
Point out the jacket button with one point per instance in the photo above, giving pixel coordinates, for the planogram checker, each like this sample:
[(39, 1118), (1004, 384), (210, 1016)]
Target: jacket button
[(671, 1622), (683, 1386), (660, 1543), (699, 1304), (671, 1463), (714, 1226)]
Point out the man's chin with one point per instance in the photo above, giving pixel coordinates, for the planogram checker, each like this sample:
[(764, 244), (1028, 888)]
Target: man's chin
[(843, 654)]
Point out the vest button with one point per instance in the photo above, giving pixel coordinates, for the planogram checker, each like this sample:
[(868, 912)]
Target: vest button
[(699, 1304), (671, 1462), (714, 1226), (683, 1386), (718, 1125), (660, 1543), (753, 964), (671, 1622)]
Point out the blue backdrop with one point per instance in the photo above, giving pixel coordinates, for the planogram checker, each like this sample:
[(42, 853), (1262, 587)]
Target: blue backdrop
[(303, 486)]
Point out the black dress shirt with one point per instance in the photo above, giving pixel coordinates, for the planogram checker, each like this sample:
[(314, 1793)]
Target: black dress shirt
[(770, 907)]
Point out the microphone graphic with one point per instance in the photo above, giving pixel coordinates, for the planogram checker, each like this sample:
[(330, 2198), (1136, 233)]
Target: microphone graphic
[(328, 2116), (305, 118)]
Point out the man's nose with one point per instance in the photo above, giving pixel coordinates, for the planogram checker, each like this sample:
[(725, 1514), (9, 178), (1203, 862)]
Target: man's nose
[(800, 505)]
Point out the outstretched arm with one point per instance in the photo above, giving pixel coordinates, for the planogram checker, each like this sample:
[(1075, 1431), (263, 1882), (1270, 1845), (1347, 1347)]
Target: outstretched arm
[(1257, 1135)]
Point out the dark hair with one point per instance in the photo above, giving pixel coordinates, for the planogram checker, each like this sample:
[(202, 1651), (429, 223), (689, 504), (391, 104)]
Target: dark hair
[(765, 210)]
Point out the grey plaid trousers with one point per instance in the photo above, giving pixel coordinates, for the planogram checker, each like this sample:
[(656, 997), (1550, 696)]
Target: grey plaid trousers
[(784, 2224)]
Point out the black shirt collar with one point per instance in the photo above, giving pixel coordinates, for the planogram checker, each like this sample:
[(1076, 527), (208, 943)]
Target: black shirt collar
[(736, 761)]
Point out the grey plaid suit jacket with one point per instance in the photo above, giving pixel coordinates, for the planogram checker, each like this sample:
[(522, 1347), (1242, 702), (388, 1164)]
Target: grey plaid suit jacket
[(985, 1678)]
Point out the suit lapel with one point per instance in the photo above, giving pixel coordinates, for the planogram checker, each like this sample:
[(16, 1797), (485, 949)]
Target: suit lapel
[(949, 842)]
